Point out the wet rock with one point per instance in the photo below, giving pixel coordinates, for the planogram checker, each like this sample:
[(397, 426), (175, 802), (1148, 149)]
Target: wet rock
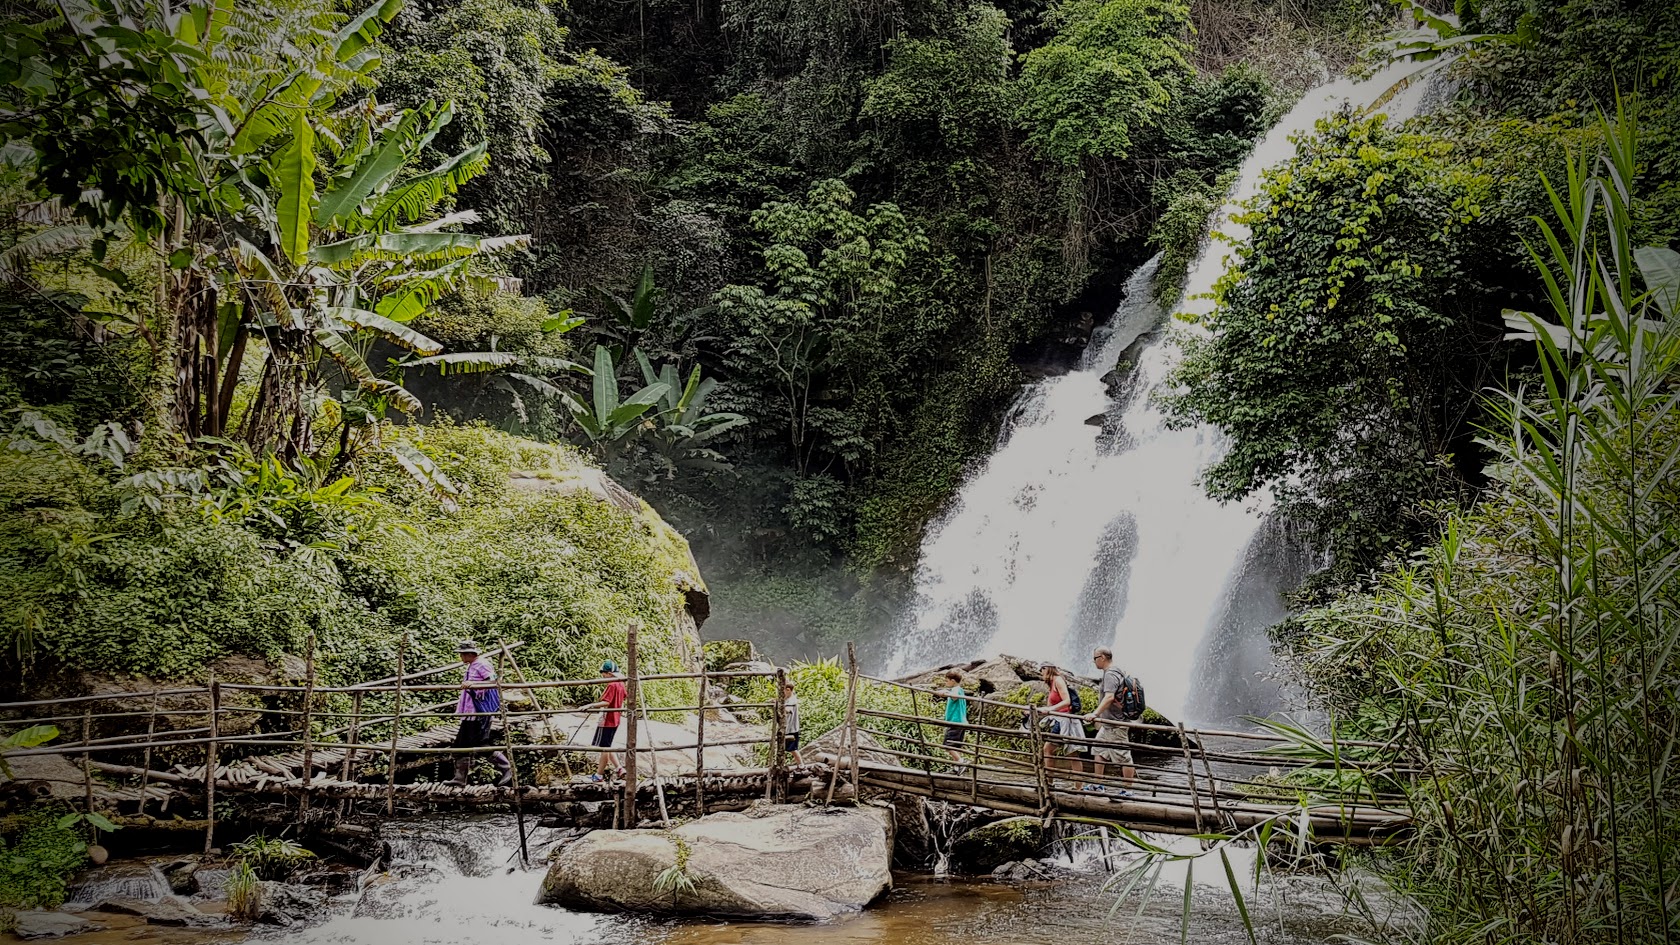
[(162, 912), (984, 849), (285, 904), (38, 923), (781, 862), (1024, 871), (182, 876)]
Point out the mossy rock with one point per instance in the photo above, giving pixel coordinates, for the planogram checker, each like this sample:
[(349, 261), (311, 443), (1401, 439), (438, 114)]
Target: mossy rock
[(721, 653), (984, 849)]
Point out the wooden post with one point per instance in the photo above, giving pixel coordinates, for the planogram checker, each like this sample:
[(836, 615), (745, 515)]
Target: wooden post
[(1213, 786), (851, 712), (513, 768), (210, 765), (308, 724), (146, 765), (1190, 774), (653, 763), (921, 737), (1038, 760), (396, 727), (355, 734), (632, 693), (700, 742), (778, 734), (974, 771), (87, 768)]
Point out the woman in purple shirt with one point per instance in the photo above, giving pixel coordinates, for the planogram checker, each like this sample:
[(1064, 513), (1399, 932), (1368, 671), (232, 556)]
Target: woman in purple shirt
[(480, 701)]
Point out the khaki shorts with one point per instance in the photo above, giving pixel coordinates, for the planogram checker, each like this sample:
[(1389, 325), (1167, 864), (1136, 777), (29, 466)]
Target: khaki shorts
[(1113, 733)]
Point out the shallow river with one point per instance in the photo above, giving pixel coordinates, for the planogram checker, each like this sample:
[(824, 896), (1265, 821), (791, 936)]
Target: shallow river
[(455, 882)]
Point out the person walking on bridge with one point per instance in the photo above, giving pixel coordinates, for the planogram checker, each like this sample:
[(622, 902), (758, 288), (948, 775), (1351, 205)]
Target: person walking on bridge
[(613, 697), (480, 700), (1110, 716)]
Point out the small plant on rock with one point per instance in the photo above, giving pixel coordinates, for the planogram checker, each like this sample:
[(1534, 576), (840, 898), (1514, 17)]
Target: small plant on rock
[(272, 859), (676, 879), (244, 893)]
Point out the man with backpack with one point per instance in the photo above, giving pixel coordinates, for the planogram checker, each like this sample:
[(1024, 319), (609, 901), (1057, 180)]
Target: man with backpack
[(1121, 702)]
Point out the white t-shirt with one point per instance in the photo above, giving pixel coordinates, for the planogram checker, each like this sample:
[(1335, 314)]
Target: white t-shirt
[(790, 721)]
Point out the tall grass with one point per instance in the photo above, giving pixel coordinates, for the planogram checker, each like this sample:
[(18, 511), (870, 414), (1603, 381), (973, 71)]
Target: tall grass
[(1526, 664)]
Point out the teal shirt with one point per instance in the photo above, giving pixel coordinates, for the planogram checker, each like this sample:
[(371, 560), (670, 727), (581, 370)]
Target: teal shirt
[(956, 707)]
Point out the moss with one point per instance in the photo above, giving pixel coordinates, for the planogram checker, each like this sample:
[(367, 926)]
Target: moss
[(721, 653)]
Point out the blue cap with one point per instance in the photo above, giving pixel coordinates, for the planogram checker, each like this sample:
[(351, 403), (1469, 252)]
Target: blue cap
[(608, 666)]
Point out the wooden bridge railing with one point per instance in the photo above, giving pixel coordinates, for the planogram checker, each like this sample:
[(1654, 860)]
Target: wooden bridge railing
[(309, 738)]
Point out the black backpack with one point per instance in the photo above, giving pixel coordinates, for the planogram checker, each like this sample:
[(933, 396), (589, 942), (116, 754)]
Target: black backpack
[(1130, 698), (1074, 707)]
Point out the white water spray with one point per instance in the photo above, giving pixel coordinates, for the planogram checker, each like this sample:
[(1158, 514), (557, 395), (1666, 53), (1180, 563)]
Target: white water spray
[(1087, 525)]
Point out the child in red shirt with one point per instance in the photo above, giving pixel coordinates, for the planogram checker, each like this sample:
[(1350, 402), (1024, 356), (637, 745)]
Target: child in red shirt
[(607, 729)]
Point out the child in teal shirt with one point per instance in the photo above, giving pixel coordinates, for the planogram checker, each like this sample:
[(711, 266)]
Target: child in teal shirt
[(956, 714)]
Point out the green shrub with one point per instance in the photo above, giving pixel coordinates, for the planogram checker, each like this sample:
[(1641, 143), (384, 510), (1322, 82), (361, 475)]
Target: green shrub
[(38, 858)]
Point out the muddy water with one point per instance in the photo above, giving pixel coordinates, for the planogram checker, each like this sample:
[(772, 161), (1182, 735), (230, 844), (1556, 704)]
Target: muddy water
[(457, 881)]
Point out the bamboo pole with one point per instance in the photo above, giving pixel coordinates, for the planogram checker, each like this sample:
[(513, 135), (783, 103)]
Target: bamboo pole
[(632, 696), (210, 765), (921, 734), (513, 770), (354, 736), (308, 725), (87, 770), (1190, 772), (1213, 786), (851, 711), (653, 762), (778, 734), (1039, 764), (507, 652), (700, 743), (146, 765), (396, 728)]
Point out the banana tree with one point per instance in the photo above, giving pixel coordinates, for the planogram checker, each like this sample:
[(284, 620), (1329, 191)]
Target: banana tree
[(683, 428), (608, 424)]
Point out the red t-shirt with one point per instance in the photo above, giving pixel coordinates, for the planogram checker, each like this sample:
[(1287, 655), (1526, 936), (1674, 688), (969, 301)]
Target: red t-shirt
[(614, 698)]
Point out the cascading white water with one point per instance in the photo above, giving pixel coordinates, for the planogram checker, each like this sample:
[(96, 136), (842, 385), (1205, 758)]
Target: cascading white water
[(1087, 525)]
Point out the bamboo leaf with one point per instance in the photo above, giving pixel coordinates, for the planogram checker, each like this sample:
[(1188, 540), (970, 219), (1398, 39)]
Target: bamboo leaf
[(1184, 915), (1236, 893), (1660, 266)]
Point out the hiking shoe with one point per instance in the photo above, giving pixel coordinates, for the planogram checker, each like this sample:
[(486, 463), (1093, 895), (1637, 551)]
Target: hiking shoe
[(1096, 789), (596, 778)]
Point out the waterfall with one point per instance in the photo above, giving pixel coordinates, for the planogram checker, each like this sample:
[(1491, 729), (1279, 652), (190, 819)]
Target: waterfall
[(1087, 525)]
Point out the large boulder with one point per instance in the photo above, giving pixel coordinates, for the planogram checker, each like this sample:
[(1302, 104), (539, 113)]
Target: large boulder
[(987, 847), (775, 862)]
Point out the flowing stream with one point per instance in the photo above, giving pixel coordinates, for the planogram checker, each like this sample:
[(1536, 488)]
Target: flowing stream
[(454, 880), (1087, 525)]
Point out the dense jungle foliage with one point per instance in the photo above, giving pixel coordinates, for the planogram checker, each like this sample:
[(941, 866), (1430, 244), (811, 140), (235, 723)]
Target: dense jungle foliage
[(318, 319), (780, 269)]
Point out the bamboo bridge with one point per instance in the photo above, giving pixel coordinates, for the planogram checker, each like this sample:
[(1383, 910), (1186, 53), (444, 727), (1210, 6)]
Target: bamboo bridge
[(330, 754)]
